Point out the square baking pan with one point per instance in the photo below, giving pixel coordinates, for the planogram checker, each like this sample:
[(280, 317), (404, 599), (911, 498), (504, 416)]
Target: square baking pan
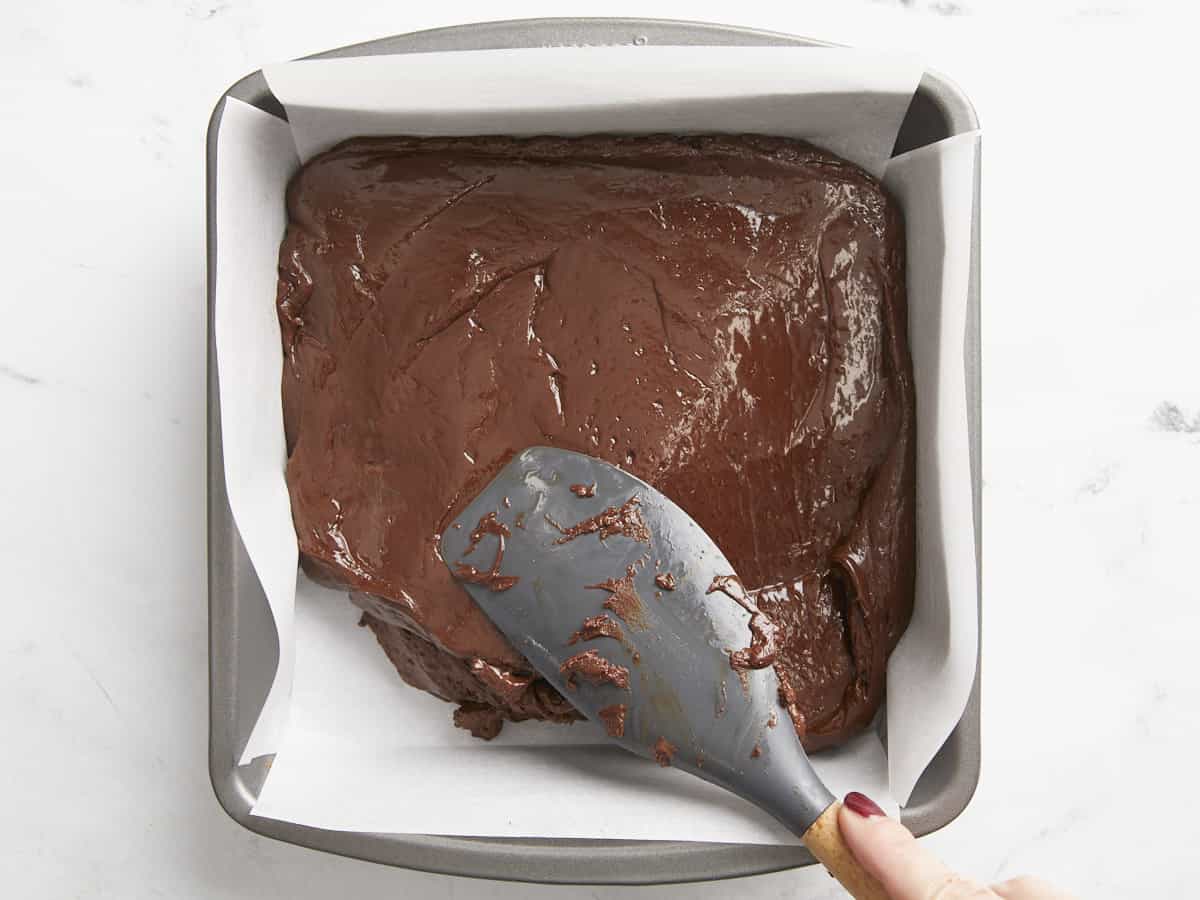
[(243, 645)]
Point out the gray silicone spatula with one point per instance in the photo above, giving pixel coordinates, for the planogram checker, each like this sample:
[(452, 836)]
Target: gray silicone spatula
[(629, 609)]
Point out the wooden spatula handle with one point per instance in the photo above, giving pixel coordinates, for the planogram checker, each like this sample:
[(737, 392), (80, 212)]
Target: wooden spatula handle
[(824, 839)]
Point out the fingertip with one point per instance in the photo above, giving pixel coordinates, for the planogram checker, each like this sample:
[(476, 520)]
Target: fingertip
[(890, 853), (876, 840), (862, 805)]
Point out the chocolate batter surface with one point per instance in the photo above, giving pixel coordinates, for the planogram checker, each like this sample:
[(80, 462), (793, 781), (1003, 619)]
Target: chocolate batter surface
[(722, 316)]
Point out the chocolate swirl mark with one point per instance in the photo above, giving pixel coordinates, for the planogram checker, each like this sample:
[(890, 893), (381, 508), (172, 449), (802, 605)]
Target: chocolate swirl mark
[(597, 627), (613, 718), (491, 579), (625, 519), (623, 598), (595, 668), (762, 649), (664, 752)]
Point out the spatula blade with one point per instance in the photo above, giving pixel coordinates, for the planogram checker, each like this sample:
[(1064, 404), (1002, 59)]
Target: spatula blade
[(612, 592)]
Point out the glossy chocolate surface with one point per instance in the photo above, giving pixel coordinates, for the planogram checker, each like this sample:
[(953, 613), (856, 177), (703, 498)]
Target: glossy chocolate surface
[(722, 316)]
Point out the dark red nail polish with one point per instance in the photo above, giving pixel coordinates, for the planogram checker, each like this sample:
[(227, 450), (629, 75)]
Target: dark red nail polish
[(863, 805)]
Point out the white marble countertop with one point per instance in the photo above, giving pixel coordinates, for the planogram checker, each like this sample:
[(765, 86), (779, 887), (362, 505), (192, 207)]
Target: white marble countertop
[(1092, 439)]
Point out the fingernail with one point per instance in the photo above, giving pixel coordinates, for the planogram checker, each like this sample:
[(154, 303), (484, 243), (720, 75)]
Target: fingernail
[(863, 805)]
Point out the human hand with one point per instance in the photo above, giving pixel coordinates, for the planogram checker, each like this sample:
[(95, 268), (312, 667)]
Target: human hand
[(908, 871)]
